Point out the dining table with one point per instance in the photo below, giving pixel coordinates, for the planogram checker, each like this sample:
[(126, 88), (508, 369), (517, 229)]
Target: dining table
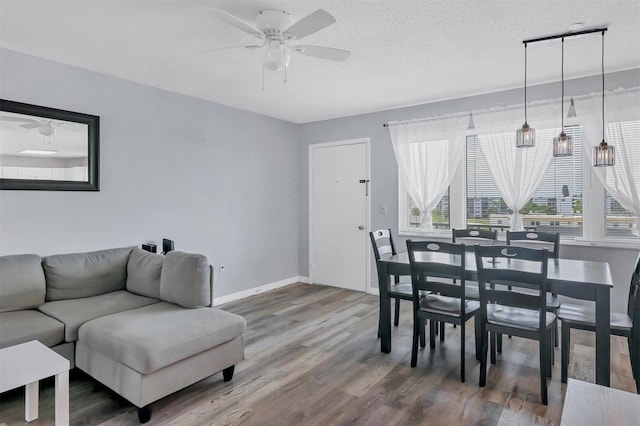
[(578, 279)]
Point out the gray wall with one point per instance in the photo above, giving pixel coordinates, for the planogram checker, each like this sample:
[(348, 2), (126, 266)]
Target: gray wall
[(384, 171), (218, 181), (226, 183)]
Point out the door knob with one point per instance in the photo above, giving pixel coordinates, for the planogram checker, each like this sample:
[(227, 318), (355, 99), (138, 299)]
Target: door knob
[(361, 227)]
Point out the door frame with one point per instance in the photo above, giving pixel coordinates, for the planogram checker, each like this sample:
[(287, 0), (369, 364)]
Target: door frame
[(367, 142)]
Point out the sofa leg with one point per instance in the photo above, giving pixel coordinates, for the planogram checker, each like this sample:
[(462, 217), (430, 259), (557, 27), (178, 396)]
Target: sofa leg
[(144, 413), (227, 373)]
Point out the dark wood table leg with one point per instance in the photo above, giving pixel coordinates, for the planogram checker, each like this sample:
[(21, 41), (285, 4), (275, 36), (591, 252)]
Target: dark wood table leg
[(385, 309), (603, 345)]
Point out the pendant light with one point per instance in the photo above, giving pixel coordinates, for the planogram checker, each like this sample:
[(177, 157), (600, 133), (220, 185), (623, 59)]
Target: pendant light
[(572, 109), (471, 125), (562, 144), (525, 136), (603, 154)]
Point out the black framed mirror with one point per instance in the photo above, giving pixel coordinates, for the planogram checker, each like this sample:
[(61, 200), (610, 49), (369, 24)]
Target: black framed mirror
[(48, 149)]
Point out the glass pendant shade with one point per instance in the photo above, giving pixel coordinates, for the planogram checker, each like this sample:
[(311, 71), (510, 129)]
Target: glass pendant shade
[(603, 155), (526, 136), (563, 145)]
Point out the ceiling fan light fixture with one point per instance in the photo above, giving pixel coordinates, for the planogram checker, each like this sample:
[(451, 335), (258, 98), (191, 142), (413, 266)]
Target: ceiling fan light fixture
[(275, 57)]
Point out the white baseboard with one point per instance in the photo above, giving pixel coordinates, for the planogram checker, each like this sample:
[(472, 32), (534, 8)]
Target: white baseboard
[(375, 291), (257, 290)]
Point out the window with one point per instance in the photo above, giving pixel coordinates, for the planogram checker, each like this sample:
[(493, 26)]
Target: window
[(618, 220), (556, 206), (571, 198), (485, 206), (439, 215)]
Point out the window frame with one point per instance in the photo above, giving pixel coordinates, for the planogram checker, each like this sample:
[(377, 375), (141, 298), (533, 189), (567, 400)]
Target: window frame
[(593, 209)]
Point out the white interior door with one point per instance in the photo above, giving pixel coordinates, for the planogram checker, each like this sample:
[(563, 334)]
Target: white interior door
[(339, 214)]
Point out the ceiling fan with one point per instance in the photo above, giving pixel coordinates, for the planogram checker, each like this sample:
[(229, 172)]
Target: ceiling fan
[(45, 126), (275, 28)]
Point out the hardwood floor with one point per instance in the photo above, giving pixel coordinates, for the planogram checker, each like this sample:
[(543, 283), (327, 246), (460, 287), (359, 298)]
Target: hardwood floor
[(312, 358)]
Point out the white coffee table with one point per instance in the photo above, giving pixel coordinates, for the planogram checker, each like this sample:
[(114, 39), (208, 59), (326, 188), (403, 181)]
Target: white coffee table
[(27, 363)]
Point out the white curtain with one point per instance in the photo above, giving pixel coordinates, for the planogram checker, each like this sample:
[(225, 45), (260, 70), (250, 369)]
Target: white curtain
[(428, 152), (517, 172), (622, 118)]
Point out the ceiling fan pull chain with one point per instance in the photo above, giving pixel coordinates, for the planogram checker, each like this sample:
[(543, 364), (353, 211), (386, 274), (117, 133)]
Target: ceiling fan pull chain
[(285, 63)]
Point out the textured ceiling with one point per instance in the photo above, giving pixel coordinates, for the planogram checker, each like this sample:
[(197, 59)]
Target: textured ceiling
[(402, 52)]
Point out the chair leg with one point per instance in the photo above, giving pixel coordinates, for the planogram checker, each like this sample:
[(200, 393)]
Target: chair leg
[(484, 339), (564, 352), (543, 369), (556, 333), (478, 337), (462, 358), (492, 343), (499, 343), (396, 319), (549, 348), (417, 323), (442, 332), (422, 333), (433, 327)]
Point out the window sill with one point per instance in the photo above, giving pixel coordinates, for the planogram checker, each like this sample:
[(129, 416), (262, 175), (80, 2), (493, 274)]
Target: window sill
[(445, 235), (612, 243)]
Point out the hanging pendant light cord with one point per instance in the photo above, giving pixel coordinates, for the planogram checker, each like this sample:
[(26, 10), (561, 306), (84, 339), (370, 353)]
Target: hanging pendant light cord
[(602, 86), (525, 82), (562, 77)]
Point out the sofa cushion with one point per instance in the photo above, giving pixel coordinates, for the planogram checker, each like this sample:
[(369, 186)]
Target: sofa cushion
[(185, 280), (22, 326), (143, 273), (21, 282), (77, 275), (75, 312), (150, 338)]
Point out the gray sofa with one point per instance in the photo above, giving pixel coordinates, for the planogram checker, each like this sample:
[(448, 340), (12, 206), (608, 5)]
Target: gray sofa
[(143, 324)]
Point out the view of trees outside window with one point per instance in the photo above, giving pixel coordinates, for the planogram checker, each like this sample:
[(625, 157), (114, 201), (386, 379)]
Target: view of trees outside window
[(439, 215)]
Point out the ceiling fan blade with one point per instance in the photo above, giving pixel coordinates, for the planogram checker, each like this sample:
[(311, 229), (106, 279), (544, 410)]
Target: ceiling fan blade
[(322, 52), (309, 24), (244, 46), (229, 19), (30, 125)]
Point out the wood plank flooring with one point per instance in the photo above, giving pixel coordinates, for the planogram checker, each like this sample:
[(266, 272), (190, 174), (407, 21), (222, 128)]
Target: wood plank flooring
[(313, 358)]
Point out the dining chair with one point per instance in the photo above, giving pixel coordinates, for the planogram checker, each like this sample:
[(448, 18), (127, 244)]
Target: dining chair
[(622, 324), (382, 243), (471, 237), (514, 312), (433, 264), (536, 239)]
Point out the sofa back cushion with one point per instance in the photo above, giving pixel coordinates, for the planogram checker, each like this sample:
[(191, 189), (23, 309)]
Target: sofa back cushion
[(186, 280), (21, 282), (76, 275), (143, 273)]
